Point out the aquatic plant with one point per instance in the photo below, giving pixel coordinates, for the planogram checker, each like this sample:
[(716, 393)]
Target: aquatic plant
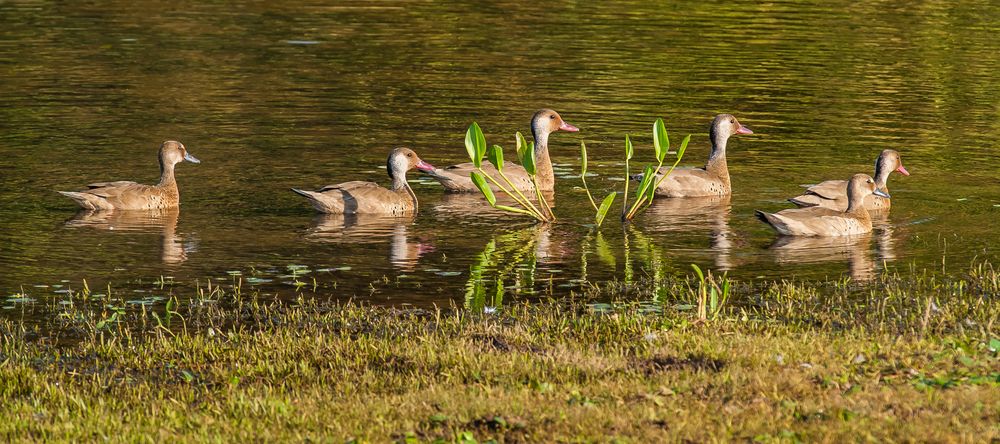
[(475, 145), (649, 181), (602, 210)]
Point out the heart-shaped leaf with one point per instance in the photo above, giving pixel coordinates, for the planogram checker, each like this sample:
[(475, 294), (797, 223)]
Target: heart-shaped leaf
[(475, 144), (661, 142), (527, 157), (480, 181), (602, 212), (628, 148), (647, 177), (496, 157), (684, 146)]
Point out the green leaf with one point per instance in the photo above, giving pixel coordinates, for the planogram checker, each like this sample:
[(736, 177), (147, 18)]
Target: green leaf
[(628, 148), (526, 153), (583, 157), (602, 212), (480, 181), (684, 146), (496, 157), (647, 177), (528, 158), (475, 144), (661, 142)]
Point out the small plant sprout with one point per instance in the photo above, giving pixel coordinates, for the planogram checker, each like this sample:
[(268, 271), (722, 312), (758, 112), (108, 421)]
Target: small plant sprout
[(602, 210), (649, 182), (475, 145)]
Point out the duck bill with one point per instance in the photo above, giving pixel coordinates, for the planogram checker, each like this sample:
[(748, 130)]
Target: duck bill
[(743, 130), (424, 166), (188, 157), (881, 193), (567, 127), (903, 171)]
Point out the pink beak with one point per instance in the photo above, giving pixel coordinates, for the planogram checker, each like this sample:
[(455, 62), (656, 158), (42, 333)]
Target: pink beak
[(743, 130), (567, 127), (424, 166), (903, 171)]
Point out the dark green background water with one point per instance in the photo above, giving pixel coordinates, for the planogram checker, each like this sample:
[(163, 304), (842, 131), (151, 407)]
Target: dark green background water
[(275, 96)]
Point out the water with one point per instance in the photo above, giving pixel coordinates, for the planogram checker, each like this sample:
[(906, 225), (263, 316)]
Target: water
[(277, 96)]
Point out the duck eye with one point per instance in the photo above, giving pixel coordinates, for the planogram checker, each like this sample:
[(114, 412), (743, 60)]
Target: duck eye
[(732, 121), (553, 116)]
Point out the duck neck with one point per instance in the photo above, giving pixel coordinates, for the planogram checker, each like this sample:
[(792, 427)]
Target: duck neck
[(543, 164), (400, 185), (167, 175), (882, 176), (855, 201), (717, 159)]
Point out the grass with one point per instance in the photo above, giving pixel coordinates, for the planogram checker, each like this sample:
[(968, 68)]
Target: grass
[(903, 359)]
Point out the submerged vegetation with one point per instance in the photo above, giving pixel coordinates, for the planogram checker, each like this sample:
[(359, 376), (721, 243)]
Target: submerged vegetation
[(907, 357)]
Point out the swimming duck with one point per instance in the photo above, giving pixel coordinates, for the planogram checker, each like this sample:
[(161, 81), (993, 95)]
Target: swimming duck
[(359, 197), (833, 193), (544, 122), (820, 221), (126, 195), (713, 179)]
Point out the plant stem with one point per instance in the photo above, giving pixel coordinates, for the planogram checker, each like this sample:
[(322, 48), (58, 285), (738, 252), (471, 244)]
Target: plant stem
[(525, 203), (541, 199)]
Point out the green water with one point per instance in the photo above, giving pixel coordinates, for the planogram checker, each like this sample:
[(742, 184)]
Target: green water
[(277, 96)]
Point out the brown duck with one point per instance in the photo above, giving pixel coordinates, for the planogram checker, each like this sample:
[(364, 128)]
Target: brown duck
[(820, 221), (713, 180), (359, 197), (126, 195), (833, 193), (544, 122)]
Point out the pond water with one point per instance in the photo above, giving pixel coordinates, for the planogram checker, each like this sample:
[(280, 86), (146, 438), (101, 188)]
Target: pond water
[(273, 96)]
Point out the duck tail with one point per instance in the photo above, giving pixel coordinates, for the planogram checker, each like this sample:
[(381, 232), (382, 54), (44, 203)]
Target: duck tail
[(307, 194), (803, 201), (84, 200), (776, 223)]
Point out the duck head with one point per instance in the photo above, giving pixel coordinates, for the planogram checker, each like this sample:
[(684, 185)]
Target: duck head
[(173, 152), (726, 125), (402, 160), (887, 162), (859, 187), (547, 121)]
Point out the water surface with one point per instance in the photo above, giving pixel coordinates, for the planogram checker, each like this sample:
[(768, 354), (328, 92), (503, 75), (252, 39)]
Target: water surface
[(277, 96)]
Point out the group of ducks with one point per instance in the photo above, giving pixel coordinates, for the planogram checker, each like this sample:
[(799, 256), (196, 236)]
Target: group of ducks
[(831, 208)]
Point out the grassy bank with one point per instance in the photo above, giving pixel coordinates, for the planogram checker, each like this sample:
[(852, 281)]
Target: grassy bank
[(906, 359)]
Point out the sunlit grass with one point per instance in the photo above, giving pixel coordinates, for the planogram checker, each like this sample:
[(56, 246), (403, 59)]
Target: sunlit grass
[(903, 358)]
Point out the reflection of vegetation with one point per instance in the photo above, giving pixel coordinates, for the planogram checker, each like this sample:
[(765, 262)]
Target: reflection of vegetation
[(506, 257)]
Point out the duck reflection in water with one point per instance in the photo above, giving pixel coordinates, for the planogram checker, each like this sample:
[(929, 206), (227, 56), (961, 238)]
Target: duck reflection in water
[(695, 215), (174, 251), (816, 249), (404, 253)]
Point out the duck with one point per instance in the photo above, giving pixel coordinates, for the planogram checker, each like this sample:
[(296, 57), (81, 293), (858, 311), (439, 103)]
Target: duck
[(713, 179), (456, 178), (833, 193), (358, 197), (127, 195), (822, 221)]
